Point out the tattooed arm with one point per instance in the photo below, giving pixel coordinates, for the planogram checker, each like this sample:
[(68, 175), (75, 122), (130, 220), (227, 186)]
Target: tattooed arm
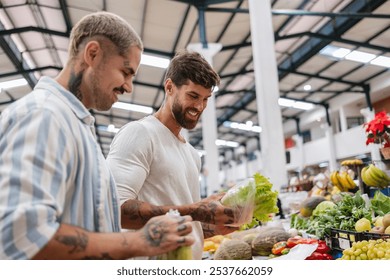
[(158, 236), (136, 213), (210, 230)]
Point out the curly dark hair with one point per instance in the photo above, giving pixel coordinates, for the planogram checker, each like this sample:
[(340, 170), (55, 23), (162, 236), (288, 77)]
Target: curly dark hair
[(188, 66)]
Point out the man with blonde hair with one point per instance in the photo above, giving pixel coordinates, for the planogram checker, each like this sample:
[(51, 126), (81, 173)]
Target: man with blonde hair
[(58, 199)]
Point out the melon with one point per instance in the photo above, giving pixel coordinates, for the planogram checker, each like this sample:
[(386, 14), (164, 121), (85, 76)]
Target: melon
[(309, 204), (233, 249)]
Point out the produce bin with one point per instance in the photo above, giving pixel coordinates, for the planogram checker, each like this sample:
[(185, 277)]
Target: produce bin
[(342, 239)]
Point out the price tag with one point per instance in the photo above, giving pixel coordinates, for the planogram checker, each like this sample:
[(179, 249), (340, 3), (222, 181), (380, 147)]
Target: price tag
[(344, 243)]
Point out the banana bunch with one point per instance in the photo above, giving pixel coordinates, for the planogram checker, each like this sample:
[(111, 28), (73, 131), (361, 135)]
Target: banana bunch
[(342, 180), (351, 162), (375, 177)]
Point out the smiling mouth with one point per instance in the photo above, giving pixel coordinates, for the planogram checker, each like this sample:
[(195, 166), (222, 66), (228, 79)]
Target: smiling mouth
[(193, 114), (119, 90)]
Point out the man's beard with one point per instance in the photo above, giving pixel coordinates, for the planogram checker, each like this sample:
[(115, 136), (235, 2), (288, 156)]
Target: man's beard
[(180, 116)]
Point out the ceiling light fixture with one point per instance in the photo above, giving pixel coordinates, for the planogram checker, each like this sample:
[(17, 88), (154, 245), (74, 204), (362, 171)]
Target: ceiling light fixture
[(307, 87), (285, 102), (381, 61), (232, 144), (133, 107), (13, 83), (295, 104), (248, 126), (154, 61), (358, 56), (341, 52), (109, 128)]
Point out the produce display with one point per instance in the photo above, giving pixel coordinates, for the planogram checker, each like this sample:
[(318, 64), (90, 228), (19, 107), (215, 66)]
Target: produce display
[(368, 250), (344, 224)]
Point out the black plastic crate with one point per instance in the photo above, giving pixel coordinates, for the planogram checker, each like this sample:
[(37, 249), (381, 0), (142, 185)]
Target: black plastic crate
[(342, 239), (370, 236)]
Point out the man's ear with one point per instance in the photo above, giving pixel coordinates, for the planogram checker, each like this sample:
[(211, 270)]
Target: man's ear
[(91, 52), (168, 86)]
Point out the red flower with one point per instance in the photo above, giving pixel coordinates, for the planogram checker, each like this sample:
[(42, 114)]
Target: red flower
[(378, 130)]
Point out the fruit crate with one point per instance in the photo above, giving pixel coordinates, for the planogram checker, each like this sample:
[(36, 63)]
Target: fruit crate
[(340, 240), (371, 235)]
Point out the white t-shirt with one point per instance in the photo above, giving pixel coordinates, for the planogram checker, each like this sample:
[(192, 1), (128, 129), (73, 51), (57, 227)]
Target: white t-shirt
[(151, 164)]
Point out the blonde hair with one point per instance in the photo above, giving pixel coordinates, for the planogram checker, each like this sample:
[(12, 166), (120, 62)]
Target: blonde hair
[(104, 25)]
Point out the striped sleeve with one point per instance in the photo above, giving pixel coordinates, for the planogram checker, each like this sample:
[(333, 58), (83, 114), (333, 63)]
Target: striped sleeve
[(33, 167)]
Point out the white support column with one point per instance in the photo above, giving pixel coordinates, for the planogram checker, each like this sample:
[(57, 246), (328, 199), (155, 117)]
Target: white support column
[(301, 153), (332, 147), (267, 92), (343, 120), (209, 124)]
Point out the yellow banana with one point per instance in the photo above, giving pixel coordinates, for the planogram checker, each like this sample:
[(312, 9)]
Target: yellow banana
[(381, 179), (365, 178), (341, 184), (350, 181), (335, 181), (351, 162), (343, 180)]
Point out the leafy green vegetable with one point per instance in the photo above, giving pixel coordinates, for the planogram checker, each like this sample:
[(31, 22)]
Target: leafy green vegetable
[(265, 199), (322, 206), (256, 194), (343, 216), (380, 203)]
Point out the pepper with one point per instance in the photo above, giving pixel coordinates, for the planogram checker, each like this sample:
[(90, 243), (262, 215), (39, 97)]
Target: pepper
[(319, 256), (279, 247), (285, 251), (322, 247), (293, 241)]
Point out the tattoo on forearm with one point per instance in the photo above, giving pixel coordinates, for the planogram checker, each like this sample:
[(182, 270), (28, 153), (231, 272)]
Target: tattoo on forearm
[(207, 213), (78, 242), (132, 210), (229, 212), (154, 233)]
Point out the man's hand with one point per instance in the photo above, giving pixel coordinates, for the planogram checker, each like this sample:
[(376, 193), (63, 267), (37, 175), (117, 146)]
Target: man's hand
[(211, 211), (163, 234)]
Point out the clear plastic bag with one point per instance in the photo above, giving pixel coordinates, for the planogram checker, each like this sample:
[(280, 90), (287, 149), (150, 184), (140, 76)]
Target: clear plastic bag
[(241, 198)]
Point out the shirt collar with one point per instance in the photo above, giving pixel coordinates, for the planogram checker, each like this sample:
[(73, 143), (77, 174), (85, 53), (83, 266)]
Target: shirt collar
[(47, 83)]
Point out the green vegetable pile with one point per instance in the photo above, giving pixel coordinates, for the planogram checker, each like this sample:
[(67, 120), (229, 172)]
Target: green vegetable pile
[(342, 216), (259, 194), (380, 203)]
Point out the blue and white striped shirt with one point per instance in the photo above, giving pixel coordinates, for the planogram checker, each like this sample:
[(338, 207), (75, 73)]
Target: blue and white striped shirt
[(52, 171)]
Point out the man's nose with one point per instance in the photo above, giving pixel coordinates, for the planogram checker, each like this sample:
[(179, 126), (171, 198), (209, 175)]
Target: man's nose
[(128, 86), (199, 106)]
